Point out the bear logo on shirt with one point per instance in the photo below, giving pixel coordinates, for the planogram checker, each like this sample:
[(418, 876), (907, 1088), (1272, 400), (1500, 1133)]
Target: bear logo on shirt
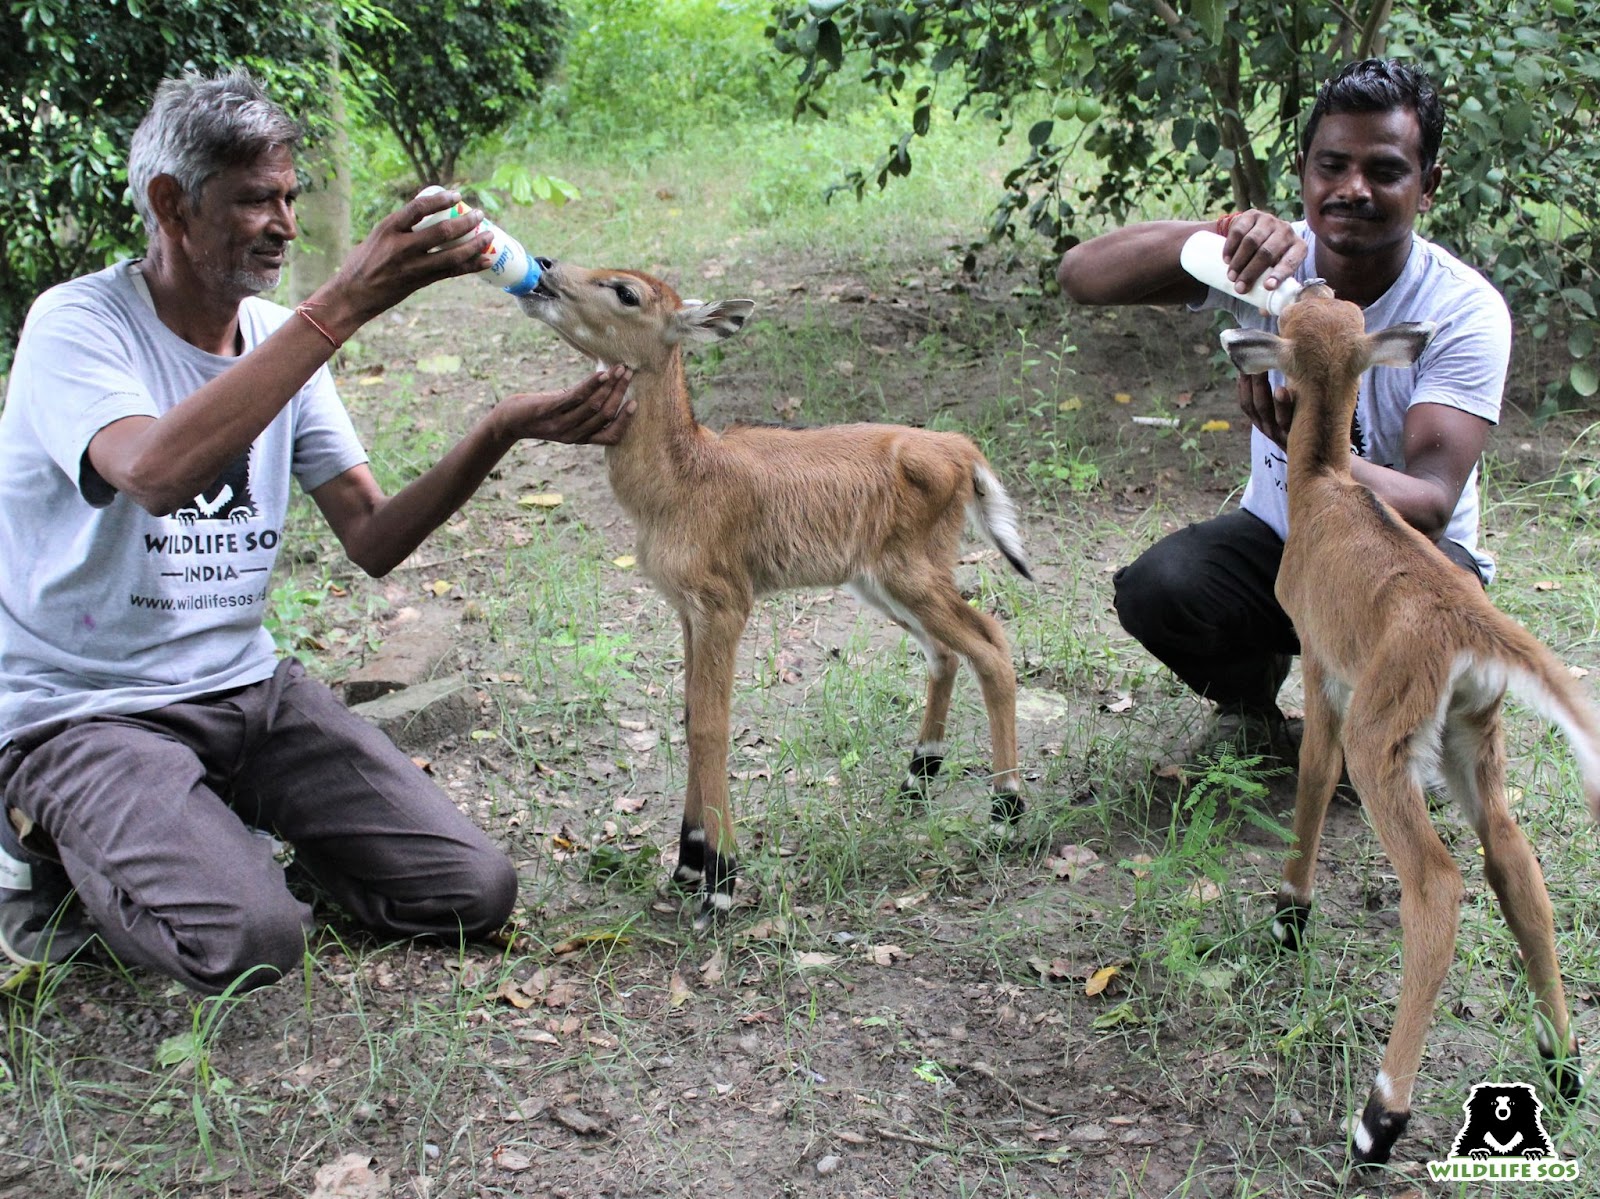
[(228, 498)]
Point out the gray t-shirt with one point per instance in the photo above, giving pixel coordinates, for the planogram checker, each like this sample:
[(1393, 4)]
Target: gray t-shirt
[(105, 608), (1464, 367)]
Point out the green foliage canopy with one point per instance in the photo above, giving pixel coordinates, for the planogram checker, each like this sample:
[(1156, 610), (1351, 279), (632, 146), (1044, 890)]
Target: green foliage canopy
[(647, 69), (75, 79), (1195, 109), (442, 74)]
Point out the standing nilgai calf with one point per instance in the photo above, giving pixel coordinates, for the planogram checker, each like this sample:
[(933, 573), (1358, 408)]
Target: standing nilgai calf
[(724, 518), (1406, 662)]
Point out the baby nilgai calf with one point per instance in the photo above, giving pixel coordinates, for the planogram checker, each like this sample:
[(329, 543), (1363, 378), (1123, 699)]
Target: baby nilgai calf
[(724, 518), (1406, 663)]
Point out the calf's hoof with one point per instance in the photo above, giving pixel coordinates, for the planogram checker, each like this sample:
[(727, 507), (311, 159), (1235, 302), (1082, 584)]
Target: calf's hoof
[(1566, 1074), (714, 909), (1374, 1134), (1005, 812), (1289, 924)]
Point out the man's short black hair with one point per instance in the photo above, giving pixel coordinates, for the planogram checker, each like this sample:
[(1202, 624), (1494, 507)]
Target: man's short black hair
[(1382, 85)]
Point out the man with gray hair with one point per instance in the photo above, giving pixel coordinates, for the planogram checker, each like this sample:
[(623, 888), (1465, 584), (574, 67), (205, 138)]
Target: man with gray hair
[(157, 412)]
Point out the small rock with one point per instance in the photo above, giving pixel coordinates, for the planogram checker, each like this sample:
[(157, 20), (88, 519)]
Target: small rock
[(829, 1164)]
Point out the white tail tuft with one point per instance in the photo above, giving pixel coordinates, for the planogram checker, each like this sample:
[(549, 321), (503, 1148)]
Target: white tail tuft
[(1577, 725), (996, 517)]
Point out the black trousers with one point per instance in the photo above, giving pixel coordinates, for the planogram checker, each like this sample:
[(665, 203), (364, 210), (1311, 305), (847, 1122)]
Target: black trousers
[(1201, 601)]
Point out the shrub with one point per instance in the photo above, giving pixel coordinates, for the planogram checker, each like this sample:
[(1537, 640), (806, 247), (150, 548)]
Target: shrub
[(443, 74), (75, 79)]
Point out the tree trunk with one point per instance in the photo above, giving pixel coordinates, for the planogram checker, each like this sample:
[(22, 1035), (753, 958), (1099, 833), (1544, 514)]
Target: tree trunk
[(1248, 177), (323, 211), (1373, 30)]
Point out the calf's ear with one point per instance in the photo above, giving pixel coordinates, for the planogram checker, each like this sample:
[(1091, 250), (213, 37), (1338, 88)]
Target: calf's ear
[(1401, 345), (1254, 351), (715, 320)]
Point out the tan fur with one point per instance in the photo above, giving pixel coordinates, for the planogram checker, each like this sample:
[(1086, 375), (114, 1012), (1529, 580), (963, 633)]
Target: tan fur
[(724, 518), (1406, 663)]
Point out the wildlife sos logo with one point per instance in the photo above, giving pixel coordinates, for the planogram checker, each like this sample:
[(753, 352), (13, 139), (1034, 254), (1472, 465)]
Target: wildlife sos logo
[(1503, 1140), (215, 538), (227, 499)]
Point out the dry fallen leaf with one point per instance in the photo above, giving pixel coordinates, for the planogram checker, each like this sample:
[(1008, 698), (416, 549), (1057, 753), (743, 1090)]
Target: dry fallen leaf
[(1054, 971), (1123, 397), (563, 994), (513, 994), (678, 992), (440, 586), (1548, 585), (1215, 426), (1071, 404), (1120, 705), (712, 969), (812, 961), (510, 1160), (626, 561), (887, 955), (542, 499), (1205, 891), (1137, 862), (1183, 399), (351, 1177), (1100, 979), (771, 929)]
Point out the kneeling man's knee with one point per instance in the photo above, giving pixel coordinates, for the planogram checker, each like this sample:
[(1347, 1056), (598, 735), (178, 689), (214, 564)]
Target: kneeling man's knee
[(266, 941), (1144, 593), (490, 894)]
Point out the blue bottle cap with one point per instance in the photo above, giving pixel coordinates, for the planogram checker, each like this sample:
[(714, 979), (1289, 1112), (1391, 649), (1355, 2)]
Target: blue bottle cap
[(528, 281)]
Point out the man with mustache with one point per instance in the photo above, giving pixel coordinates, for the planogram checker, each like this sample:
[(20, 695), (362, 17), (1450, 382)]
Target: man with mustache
[(157, 413), (1201, 600)]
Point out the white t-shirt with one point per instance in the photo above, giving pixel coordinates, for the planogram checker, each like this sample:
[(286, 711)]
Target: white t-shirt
[(1464, 367), (105, 608)]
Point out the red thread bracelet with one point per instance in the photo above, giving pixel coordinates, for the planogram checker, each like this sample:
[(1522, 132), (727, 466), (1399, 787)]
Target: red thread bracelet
[(1224, 221), (304, 310)]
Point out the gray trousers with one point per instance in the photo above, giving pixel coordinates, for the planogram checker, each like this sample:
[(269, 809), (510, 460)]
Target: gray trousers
[(153, 816)]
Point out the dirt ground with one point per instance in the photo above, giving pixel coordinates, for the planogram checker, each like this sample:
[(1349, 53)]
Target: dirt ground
[(899, 1045)]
